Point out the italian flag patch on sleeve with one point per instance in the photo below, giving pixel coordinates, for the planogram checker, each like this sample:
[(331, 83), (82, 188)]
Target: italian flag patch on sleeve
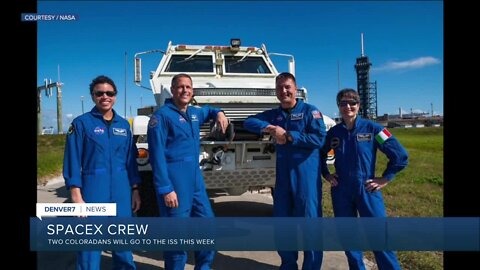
[(382, 136)]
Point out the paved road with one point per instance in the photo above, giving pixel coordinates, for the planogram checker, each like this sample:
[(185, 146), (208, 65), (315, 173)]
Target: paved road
[(248, 204)]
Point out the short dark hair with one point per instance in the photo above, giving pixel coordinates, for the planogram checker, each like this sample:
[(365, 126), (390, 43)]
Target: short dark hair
[(348, 92), (102, 79), (285, 76), (178, 76)]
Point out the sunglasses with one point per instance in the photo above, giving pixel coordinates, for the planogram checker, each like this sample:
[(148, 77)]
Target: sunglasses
[(101, 93), (344, 103)]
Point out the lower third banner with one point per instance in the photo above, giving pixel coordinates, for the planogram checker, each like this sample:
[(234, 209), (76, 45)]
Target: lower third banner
[(255, 234)]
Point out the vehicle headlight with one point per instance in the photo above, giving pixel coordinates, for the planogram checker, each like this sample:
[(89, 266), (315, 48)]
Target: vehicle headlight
[(142, 157)]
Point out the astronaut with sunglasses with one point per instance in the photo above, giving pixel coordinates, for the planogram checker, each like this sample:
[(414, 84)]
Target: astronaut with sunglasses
[(355, 188), (100, 165)]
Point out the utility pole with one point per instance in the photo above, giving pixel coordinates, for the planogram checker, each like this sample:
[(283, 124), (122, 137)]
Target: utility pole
[(59, 110), (39, 111), (59, 104)]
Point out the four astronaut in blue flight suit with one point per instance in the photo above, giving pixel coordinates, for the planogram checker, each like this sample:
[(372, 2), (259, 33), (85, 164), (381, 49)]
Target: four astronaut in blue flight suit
[(174, 145), (100, 165), (355, 189), (299, 131)]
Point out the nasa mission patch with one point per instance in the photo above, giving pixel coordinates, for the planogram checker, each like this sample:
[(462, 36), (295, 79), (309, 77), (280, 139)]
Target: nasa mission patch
[(153, 121), (335, 142), (71, 129)]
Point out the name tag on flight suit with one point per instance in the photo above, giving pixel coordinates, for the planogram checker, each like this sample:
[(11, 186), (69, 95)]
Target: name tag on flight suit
[(296, 116), (364, 137)]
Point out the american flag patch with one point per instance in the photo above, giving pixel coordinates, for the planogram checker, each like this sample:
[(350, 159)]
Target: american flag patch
[(316, 114)]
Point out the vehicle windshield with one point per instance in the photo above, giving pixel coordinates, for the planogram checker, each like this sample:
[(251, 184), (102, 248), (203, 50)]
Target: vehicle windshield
[(197, 63), (235, 64)]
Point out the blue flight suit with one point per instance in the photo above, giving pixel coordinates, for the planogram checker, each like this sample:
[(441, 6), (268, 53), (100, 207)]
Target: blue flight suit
[(100, 159), (174, 147), (355, 158), (298, 185)]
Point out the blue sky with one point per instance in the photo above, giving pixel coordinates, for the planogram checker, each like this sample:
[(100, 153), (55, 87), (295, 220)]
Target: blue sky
[(403, 40)]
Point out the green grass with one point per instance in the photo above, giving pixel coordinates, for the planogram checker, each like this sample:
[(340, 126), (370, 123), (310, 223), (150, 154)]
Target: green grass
[(49, 156), (417, 191)]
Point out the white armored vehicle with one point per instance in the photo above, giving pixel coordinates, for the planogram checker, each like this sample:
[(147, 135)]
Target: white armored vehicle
[(240, 81)]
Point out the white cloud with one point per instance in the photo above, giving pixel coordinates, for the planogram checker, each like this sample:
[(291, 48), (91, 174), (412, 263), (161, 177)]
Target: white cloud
[(416, 63)]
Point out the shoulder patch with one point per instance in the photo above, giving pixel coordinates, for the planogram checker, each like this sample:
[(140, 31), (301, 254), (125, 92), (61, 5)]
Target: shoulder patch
[(71, 129), (153, 121), (316, 114), (335, 142), (382, 136)]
